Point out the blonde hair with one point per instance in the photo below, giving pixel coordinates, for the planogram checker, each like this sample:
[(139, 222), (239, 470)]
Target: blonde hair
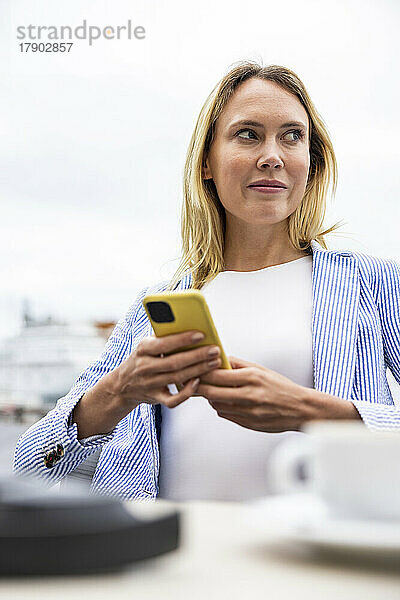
[(202, 214)]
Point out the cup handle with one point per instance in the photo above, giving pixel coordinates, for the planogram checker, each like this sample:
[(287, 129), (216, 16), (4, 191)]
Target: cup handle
[(289, 466)]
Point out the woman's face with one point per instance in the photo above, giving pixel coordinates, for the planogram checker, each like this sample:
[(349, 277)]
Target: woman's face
[(274, 146)]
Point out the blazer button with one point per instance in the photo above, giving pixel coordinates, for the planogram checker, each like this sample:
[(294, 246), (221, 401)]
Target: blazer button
[(49, 460), (53, 454), (60, 450)]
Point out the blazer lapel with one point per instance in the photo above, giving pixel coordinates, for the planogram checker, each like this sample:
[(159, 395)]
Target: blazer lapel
[(336, 291)]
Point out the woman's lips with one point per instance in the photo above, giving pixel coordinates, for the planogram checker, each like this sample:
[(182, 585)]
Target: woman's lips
[(267, 189)]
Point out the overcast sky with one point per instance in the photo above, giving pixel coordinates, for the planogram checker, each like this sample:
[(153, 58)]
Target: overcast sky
[(93, 141)]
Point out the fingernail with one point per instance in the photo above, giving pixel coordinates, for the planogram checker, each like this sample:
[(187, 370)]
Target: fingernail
[(197, 337), (213, 363), (195, 383), (213, 351)]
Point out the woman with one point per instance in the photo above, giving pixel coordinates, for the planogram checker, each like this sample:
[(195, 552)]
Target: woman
[(319, 327)]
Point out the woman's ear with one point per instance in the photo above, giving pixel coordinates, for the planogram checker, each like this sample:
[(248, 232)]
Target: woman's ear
[(206, 170)]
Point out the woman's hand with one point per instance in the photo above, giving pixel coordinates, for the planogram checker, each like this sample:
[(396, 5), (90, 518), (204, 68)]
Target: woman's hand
[(147, 372), (255, 397), (144, 377)]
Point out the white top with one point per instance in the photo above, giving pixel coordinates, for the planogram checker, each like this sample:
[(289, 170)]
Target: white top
[(261, 316)]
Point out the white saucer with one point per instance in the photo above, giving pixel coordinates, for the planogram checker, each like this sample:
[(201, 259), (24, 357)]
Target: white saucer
[(306, 520)]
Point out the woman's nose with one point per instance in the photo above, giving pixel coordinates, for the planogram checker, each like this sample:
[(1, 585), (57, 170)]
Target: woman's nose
[(272, 160), (270, 157)]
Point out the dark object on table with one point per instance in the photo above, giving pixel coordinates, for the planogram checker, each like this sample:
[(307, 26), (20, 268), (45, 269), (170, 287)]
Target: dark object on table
[(45, 531)]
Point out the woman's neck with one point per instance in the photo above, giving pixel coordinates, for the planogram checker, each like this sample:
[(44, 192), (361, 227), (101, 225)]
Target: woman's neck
[(241, 263)]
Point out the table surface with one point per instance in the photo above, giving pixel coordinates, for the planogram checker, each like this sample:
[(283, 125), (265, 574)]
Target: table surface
[(224, 554)]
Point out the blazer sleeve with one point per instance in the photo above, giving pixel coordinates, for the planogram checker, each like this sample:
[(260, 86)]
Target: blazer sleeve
[(384, 416), (55, 433)]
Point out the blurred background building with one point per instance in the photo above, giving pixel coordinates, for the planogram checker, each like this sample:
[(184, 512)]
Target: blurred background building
[(39, 365)]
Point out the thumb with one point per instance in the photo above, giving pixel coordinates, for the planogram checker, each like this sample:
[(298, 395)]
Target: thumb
[(238, 363)]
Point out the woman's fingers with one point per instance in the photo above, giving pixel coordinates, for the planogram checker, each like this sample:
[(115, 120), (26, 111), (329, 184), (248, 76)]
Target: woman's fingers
[(171, 401), (146, 374), (155, 346), (181, 376)]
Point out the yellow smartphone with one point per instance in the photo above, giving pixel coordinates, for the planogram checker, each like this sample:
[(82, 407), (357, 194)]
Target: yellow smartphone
[(176, 312)]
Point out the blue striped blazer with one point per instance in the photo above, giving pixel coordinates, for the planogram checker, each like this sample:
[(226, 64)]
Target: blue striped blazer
[(356, 336)]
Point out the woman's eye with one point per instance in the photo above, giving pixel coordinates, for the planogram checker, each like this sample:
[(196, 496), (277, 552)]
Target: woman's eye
[(246, 130), (299, 135), (297, 132)]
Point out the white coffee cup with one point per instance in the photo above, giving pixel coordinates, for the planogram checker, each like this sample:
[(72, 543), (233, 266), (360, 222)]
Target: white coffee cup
[(354, 470)]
